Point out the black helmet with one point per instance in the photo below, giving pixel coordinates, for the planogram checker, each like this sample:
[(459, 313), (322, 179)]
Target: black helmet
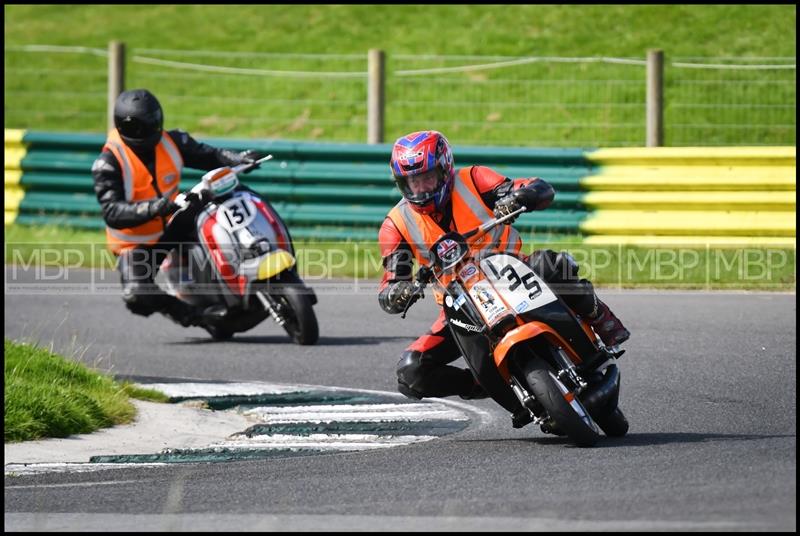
[(138, 118)]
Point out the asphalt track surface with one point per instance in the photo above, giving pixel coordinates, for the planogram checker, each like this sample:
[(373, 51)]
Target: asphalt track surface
[(708, 385)]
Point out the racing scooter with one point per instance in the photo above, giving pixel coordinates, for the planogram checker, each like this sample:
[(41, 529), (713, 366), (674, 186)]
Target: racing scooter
[(524, 345), (242, 266)]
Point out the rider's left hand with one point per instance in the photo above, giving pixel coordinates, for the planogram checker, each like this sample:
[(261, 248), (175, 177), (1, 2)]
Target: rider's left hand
[(522, 197), (505, 206)]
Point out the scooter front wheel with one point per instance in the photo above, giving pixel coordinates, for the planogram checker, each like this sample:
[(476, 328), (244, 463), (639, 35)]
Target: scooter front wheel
[(561, 404), (295, 308)]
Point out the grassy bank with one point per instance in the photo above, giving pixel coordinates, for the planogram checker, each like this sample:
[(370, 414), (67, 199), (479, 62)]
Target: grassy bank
[(47, 395), (553, 104), (619, 266)]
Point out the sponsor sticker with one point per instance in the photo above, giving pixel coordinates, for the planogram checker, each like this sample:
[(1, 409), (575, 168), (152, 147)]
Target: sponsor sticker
[(468, 272), (465, 326), (448, 250), (491, 305)]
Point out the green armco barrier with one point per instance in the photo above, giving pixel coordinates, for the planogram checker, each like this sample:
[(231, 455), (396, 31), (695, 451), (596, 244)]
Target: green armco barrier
[(339, 191), (327, 191)]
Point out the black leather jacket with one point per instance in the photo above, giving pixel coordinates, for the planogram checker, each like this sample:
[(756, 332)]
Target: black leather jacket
[(110, 190)]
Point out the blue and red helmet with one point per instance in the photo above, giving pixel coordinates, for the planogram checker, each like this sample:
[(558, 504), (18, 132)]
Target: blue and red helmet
[(420, 152)]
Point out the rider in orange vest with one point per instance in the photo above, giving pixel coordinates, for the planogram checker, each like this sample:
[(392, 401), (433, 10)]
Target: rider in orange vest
[(437, 198), (136, 180)]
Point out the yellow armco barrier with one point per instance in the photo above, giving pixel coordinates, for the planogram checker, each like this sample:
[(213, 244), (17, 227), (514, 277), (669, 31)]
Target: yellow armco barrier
[(694, 241), (695, 156), (669, 200), (692, 195), (690, 223), (13, 152), (684, 178)]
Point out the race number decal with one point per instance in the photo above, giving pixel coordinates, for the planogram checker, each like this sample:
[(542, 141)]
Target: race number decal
[(236, 213), (519, 286)]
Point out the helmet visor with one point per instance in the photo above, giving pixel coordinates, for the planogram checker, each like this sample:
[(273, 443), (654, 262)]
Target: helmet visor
[(420, 188), (141, 127)]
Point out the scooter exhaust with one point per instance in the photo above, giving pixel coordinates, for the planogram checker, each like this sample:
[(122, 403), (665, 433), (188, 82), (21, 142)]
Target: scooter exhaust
[(604, 394)]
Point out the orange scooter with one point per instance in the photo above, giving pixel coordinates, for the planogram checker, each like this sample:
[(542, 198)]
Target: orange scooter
[(527, 349)]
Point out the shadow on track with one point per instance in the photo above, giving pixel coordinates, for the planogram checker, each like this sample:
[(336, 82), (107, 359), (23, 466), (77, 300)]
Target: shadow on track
[(283, 339), (642, 440)]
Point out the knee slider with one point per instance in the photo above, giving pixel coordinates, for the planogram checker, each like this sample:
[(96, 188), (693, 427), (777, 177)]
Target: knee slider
[(409, 375)]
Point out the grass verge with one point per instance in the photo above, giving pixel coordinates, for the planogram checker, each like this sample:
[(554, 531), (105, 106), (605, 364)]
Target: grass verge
[(46, 395)]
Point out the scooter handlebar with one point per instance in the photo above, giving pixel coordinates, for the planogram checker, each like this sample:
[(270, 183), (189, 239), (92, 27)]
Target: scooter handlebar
[(250, 166)]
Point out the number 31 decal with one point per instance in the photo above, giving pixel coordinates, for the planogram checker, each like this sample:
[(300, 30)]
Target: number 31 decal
[(236, 213)]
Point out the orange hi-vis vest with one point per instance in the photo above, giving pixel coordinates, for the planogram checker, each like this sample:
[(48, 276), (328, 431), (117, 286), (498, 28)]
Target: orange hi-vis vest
[(420, 231), (139, 187)]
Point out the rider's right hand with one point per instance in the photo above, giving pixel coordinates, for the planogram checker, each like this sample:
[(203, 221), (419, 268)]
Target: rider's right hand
[(396, 296), (200, 199), (161, 207)]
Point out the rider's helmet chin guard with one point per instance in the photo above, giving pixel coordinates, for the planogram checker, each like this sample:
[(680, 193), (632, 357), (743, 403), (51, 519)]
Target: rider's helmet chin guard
[(420, 152), (139, 118)]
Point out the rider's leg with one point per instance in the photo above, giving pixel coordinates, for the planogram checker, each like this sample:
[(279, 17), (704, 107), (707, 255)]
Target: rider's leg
[(423, 370), (137, 268), (560, 271)]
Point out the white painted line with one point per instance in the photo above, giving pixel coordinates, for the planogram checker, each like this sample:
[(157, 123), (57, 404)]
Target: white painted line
[(356, 412), (322, 441), (80, 484), (199, 389), (36, 468)]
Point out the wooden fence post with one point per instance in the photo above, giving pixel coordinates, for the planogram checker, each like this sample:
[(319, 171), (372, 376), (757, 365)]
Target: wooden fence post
[(376, 95), (116, 76), (655, 98)]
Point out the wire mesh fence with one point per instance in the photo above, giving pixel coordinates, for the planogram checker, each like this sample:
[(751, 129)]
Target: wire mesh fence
[(474, 100), (730, 101), (297, 96), (566, 102)]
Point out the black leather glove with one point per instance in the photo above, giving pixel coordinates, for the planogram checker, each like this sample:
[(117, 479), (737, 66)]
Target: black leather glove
[(396, 296), (523, 197), (505, 206), (161, 207), (199, 200)]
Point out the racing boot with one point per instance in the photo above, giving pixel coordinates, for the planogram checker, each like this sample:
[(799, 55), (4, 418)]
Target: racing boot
[(181, 313), (475, 393), (607, 326), (214, 313)]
